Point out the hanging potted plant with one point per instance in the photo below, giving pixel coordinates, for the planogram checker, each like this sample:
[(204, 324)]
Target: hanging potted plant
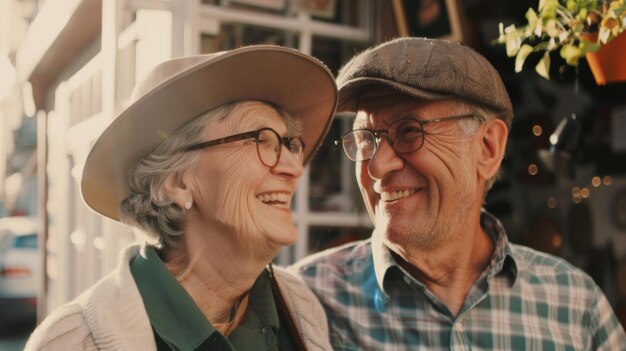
[(575, 28)]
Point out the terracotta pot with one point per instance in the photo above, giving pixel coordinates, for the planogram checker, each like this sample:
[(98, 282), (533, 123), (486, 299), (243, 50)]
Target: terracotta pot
[(608, 64)]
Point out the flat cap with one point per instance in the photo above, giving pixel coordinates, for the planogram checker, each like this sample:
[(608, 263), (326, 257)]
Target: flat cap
[(428, 69)]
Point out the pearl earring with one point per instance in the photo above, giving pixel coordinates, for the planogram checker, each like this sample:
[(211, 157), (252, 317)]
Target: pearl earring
[(188, 205)]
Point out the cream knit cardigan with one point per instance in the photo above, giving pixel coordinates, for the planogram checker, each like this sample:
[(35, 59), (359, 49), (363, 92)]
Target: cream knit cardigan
[(111, 315)]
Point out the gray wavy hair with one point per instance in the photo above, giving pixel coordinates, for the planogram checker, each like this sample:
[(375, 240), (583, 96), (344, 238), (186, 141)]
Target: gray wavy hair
[(148, 208)]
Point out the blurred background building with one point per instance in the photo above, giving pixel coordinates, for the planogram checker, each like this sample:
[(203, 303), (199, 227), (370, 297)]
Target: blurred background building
[(67, 68)]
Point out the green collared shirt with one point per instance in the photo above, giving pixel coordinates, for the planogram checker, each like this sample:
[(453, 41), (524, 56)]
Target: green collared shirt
[(179, 324)]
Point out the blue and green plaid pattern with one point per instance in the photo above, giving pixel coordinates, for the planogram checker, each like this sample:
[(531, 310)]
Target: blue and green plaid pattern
[(525, 300)]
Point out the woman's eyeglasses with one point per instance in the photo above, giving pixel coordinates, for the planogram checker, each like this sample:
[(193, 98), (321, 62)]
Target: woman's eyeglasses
[(404, 136), (268, 145)]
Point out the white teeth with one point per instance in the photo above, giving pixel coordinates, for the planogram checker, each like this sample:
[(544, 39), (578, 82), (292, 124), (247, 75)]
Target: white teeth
[(396, 195), (275, 199)]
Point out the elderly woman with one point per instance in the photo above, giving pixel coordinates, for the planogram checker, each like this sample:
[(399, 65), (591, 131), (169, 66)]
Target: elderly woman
[(205, 162)]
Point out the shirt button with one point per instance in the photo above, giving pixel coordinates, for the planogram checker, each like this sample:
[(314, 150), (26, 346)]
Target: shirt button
[(407, 280), (458, 328), (263, 331)]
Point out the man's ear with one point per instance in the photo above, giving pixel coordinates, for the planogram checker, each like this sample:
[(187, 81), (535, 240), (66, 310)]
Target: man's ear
[(494, 135), (177, 189)]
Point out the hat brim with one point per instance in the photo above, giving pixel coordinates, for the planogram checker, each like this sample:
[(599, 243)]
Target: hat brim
[(298, 83), (350, 91)]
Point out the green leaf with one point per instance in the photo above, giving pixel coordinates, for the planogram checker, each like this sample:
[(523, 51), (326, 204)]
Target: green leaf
[(577, 27), (548, 8), (571, 54), (541, 46), (512, 40), (531, 16), (619, 9), (586, 46), (543, 67), (522, 54), (603, 35), (551, 28), (538, 29)]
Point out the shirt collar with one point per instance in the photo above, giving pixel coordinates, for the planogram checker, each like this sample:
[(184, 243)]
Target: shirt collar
[(261, 313), (172, 312), (179, 322), (263, 302), (502, 261), (384, 263)]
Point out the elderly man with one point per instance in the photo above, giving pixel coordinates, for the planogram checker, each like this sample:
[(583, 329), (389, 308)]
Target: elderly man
[(431, 126)]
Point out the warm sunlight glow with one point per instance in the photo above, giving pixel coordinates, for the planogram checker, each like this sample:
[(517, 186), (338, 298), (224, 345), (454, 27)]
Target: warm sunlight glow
[(596, 181), (537, 130), (27, 99), (7, 74), (552, 202), (584, 193), (557, 241)]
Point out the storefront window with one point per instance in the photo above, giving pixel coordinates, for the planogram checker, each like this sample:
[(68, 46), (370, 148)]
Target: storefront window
[(333, 185), (344, 12), (235, 35)]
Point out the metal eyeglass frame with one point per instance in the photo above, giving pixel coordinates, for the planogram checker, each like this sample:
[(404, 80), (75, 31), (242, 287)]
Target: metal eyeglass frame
[(379, 132)]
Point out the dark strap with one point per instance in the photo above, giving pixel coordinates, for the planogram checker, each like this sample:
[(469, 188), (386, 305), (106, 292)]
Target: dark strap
[(292, 328), (160, 343)]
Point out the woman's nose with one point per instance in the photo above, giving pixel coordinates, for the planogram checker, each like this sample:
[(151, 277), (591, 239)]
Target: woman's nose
[(289, 164)]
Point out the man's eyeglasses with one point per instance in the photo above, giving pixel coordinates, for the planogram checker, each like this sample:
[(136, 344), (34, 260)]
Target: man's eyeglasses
[(268, 145), (404, 136)]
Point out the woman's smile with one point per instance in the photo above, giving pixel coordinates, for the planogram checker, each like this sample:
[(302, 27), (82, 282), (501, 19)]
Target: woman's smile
[(275, 199)]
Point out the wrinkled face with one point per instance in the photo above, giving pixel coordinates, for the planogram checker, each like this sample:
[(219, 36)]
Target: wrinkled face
[(418, 198), (235, 194)]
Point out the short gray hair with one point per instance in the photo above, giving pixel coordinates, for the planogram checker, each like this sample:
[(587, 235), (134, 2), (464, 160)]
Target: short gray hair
[(147, 207), (468, 127)]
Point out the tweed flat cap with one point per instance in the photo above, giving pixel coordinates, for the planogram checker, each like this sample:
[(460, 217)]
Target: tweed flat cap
[(428, 69)]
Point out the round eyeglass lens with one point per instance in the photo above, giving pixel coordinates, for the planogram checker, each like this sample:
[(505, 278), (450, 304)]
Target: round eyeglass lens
[(268, 145), (407, 135), (359, 145), (296, 146)]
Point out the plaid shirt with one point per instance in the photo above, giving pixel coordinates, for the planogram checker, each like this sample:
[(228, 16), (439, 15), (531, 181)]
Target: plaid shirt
[(525, 300)]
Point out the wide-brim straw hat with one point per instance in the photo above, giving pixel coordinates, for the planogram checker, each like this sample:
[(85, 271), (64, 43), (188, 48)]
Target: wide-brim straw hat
[(179, 90)]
